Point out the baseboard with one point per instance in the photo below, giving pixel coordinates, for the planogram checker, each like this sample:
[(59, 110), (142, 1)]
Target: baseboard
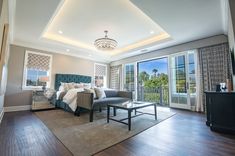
[(1, 115), (17, 108)]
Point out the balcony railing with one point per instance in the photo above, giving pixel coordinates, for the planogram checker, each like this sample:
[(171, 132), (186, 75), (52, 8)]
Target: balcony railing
[(159, 95)]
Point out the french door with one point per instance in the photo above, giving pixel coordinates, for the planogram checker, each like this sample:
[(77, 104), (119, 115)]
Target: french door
[(183, 80)]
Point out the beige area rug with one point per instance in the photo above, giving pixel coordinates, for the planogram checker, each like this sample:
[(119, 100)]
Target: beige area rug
[(86, 138)]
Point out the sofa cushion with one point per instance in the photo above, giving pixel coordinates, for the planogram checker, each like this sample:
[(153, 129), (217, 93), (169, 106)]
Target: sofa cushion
[(111, 93), (109, 100)]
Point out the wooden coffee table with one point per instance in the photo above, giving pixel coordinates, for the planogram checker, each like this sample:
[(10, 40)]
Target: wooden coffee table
[(130, 106)]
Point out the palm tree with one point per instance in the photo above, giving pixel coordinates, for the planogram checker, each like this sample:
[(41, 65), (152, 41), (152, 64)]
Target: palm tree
[(154, 72), (144, 76)]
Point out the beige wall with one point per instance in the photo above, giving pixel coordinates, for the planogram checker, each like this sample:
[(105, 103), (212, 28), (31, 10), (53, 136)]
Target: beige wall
[(4, 19), (15, 96)]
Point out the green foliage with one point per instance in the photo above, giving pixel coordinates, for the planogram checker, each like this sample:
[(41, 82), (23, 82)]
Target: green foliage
[(160, 80), (143, 76)]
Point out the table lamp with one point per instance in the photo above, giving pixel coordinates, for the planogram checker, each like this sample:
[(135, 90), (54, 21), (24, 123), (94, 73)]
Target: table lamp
[(44, 79)]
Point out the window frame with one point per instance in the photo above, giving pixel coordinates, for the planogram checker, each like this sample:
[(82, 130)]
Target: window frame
[(105, 77), (25, 73)]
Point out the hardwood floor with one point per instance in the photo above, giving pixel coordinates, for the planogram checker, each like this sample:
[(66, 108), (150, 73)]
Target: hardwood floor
[(183, 134), (22, 133)]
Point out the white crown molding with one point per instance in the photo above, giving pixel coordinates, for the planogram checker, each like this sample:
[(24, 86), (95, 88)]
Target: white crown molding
[(1, 115), (12, 8), (17, 108), (43, 48)]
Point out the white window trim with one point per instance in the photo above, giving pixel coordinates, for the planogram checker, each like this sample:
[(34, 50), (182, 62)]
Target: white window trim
[(106, 76), (24, 87)]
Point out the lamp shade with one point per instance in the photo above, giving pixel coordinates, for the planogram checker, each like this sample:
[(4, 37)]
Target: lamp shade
[(44, 79)]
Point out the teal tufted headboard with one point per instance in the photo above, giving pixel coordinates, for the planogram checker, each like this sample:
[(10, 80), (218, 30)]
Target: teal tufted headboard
[(70, 78)]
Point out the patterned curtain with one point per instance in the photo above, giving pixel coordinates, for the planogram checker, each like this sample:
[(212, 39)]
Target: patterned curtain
[(115, 73), (215, 67)]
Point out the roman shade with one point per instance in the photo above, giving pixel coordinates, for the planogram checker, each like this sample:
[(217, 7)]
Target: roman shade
[(38, 61), (100, 70)]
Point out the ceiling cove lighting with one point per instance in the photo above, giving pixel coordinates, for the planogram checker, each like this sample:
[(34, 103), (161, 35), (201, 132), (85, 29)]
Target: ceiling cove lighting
[(60, 32), (105, 44)]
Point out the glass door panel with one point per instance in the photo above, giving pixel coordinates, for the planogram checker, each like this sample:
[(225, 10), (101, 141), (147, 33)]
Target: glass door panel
[(178, 80), (183, 80)]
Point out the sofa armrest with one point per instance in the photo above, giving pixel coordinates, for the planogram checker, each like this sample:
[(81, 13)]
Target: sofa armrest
[(125, 94), (85, 100)]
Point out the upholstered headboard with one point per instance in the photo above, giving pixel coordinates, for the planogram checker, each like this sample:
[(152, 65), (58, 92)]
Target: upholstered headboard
[(70, 78)]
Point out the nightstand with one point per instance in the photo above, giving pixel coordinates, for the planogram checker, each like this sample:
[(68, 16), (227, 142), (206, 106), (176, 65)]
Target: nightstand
[(40, 101)]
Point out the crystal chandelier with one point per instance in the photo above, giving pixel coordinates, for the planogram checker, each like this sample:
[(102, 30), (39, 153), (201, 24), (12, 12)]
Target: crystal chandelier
[(105, 43)]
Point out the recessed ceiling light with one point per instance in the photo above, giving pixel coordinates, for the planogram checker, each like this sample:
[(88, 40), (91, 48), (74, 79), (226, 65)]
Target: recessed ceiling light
[(151, 32), (67, 50), (60, 32)]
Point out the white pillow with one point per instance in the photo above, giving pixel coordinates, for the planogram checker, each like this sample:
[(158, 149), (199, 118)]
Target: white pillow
[(66, 86), (62, 88), (71, 94), (100, 93), (78, 85), (86, 85)]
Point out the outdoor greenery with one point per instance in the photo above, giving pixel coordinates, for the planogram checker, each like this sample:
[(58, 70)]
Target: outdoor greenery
[(152, 87)]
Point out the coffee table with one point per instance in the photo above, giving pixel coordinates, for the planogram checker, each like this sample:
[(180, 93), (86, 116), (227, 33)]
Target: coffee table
[(130, 106)]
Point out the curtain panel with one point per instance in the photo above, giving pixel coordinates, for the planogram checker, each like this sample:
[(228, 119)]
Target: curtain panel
[(115, 73), (214, 67)]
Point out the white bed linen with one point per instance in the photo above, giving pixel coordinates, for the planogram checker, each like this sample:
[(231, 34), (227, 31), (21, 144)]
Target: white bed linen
[(70, 97)]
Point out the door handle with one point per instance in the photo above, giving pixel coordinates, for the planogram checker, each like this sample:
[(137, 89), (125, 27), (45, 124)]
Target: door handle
[(187, 85)]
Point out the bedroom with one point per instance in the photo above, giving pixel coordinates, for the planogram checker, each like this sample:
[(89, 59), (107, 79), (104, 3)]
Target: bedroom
[(64, 94)]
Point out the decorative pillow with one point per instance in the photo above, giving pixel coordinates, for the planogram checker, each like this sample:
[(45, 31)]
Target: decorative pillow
[(91, 91), (78, 85), (64, 86), (67, 86), (100, 93), (86, 85)]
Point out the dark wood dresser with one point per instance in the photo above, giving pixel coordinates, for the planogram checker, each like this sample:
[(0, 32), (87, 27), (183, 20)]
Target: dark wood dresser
[(220, 107)]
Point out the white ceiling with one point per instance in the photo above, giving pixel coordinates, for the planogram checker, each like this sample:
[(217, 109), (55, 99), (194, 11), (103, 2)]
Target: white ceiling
[(37, 22)]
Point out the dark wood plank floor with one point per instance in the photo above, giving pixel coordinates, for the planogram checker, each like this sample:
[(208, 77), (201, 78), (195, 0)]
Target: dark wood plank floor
[(185, 134), (22, 133)]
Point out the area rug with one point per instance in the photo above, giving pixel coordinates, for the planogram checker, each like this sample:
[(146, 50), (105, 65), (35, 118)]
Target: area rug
[(84, 138)]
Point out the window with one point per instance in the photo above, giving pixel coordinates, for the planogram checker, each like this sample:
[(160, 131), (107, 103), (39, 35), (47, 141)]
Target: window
[(36, 65), (100, 75)]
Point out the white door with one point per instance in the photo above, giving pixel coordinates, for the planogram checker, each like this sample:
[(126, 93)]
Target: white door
[(183, 80)]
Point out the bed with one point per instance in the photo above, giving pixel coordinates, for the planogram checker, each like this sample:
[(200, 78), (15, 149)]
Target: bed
[(68, 78)]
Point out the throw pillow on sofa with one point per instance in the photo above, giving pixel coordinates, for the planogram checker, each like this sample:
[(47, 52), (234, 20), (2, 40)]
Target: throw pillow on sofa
[(100, 93)]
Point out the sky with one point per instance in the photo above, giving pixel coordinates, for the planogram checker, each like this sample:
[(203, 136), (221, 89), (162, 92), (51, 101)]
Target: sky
[(159, 64)]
